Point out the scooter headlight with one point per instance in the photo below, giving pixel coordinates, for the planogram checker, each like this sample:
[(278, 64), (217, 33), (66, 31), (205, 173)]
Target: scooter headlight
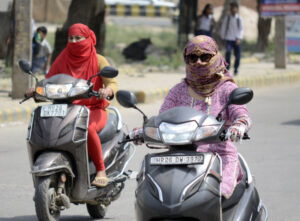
[(177, 134), (77, 90), (57, 90), (206, 131)]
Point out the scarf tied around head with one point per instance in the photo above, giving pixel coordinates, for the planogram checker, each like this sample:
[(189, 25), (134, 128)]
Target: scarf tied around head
[(205, 78)]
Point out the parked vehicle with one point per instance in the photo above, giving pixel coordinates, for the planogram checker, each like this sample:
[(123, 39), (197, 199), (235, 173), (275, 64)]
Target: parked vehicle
[(62, 170), (182, 184)]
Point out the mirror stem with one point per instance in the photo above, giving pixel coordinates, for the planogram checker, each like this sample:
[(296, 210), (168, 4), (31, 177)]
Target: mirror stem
[(36, 79), (219, 117), (144, 115)]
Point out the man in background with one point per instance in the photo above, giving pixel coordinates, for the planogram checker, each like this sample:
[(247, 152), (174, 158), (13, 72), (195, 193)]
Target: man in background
[(232, 33), (41, 51)]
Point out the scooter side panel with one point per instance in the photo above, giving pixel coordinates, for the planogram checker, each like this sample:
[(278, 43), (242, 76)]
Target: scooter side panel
[(246, 208)]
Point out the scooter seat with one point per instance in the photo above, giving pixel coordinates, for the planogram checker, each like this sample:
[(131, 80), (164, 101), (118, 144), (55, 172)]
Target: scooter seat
[(110, 128), (238, 191)]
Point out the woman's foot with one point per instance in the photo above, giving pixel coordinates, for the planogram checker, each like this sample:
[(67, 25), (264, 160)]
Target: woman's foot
[(101, 179)]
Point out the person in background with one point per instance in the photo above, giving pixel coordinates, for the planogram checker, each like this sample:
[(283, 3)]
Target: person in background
[(205, 22), (41, 51), (232, 33)]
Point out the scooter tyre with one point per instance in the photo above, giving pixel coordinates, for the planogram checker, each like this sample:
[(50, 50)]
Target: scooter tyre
[(45, 189), (96, 211)]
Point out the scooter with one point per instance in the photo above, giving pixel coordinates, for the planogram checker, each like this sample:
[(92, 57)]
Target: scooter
[(182, 184), (62, 170)]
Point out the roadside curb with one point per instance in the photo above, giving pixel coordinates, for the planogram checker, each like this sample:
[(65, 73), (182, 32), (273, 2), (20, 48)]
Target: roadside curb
[(251, 82), (8, 115), (22, 113)]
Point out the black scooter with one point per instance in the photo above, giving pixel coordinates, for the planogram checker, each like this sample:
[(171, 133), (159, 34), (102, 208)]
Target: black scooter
[(182, 184), (62, 170)]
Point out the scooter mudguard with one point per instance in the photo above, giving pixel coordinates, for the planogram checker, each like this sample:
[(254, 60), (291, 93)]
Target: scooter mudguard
[(49, 163)]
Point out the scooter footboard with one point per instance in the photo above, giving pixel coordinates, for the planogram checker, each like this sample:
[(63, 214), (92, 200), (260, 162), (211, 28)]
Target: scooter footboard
[(51, 162)]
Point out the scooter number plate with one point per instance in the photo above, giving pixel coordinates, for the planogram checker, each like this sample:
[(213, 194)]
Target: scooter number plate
[(177, 160), (54, 110)]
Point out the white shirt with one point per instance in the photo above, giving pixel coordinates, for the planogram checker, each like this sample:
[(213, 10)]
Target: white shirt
[(45, 49), (231, 31), (205, 23)]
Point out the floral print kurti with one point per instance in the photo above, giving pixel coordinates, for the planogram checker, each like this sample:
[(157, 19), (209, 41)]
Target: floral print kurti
[(231, 169)]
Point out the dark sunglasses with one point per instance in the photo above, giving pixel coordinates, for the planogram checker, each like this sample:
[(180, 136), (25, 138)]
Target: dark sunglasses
[(193, 58)]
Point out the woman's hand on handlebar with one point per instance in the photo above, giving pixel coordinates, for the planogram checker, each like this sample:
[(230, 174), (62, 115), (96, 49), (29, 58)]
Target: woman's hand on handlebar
[(236, 132), (29, 92), (136, 133), (105, 92)]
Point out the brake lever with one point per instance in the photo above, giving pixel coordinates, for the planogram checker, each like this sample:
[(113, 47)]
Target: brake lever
[(223, 136), (128, 140), (246, 137), (25, 99)]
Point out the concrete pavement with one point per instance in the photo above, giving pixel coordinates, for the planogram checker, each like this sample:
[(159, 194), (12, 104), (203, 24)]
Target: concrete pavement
[(153, 86)]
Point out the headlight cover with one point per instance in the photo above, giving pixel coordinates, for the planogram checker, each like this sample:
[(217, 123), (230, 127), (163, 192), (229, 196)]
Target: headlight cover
[(206, 131), (152, 132), (57, 90), (77, 90), (178, 133)]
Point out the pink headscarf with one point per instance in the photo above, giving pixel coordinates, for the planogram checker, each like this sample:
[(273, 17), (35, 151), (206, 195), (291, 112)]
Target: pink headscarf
[(205, 79)]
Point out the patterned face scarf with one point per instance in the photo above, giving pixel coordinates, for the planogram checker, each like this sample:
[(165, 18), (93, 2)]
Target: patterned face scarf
[(205, 66)]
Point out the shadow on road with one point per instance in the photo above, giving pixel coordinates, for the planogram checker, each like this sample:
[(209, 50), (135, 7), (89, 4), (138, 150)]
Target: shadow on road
[(63, 218), (293, 122)]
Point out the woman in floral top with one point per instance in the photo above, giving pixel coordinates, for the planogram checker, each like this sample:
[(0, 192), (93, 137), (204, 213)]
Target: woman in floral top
[(206, 88)]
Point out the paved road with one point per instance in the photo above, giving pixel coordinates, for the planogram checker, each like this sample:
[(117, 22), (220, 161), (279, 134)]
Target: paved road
[(273, 155)]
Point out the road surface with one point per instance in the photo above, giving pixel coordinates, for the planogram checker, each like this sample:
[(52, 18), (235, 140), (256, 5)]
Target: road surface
[(272, 154)]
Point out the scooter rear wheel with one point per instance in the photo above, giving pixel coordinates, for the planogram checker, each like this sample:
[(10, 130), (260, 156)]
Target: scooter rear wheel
[(45, 193), (96, 211)]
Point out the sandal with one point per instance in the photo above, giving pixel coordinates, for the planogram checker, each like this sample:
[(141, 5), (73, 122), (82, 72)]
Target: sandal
[(100, 181)]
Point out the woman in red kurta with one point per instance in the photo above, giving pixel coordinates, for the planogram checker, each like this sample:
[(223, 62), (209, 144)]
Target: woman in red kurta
[(80, 60)]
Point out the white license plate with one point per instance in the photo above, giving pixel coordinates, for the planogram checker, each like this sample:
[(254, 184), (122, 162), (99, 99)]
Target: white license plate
[(177, 160), (54, 110)]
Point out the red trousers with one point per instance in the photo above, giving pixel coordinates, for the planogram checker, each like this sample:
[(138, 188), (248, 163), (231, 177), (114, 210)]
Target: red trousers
[(98, 119)]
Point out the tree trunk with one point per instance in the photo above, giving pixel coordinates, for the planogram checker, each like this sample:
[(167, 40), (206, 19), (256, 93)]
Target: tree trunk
[(264, 29), (88, 12), (187, 18), (217, 31)]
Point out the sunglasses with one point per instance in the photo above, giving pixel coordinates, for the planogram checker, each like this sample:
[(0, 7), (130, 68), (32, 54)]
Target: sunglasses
[(193, 58)]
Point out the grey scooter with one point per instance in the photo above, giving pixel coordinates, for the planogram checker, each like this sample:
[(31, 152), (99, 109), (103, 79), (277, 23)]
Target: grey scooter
[(182, 184), (57, 146)]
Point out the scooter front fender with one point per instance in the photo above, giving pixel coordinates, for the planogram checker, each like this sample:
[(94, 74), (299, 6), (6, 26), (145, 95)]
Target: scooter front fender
[(48, 163)]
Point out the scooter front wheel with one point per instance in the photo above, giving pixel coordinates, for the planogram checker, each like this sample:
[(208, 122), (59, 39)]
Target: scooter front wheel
[(96, 211), (45, 195)]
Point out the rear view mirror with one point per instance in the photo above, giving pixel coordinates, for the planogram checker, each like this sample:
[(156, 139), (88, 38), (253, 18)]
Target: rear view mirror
[(25, 66), (108, 72), (126, 99), (240, 96)]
